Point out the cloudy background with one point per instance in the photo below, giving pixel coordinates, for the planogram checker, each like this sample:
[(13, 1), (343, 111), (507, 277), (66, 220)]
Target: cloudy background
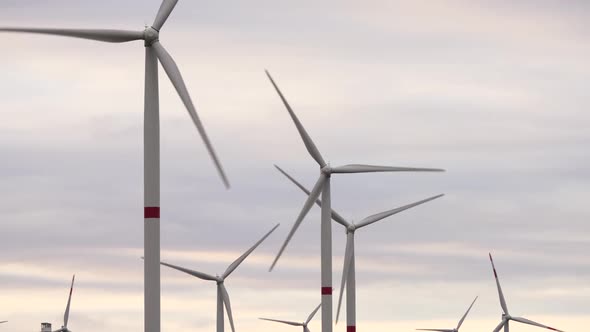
[(495, 92)]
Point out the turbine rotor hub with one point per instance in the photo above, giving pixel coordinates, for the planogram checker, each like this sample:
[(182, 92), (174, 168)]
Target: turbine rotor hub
[(327, 170), (150, 35), (351, 229)]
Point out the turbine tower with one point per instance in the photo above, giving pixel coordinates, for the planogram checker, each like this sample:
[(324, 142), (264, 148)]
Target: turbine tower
[(322, 187), (456, 329), (506, 317), (304, 324), (154, 51), (64, 327), (349, 270), (222, 295)]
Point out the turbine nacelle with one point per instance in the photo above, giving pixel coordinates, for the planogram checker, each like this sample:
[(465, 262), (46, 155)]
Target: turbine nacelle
[(150, 36), (350, 228)]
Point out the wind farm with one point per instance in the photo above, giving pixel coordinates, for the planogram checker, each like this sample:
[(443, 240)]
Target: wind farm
[(477, 111)]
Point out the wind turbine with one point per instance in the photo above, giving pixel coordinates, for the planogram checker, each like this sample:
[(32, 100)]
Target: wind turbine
[(304, 324), (349, 270), (222, 295), (4, 321), (322, 186), (154, 51), (506, 317), (456, 329), (64, 328)]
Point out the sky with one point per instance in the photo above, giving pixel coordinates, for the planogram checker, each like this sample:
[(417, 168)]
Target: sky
[(495, 92)]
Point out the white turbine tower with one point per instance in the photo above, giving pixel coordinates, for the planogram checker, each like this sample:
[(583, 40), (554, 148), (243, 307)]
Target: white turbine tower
[(64, 327), (506, 317), (222, 295), (349, 270), (322, 186), (456, 329), (154, 51), (304, 324)]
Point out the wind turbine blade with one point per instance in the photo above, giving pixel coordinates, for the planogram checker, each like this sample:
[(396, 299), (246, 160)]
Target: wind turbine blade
[(500, 293), (337, 218), (282, 321), (467, 312), (4, 321), (103, 35), (345, 269), (499, 327), (357, 168), (530, 322), (311, 148), (67, 312), (165, 9), (193, 273), (228, 307), (173, 73), (310, 317), (437, 330), (315, 193), (240, 259), (306, 329), (376, 217)]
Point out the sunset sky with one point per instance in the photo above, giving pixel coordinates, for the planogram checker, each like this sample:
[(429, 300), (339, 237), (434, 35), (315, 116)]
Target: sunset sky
[(495, 92)]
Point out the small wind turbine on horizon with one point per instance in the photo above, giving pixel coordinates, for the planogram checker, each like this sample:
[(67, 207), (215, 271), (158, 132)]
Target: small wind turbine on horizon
[(64, 327), (349, 270), (222, 295), (456, 329), (322, 187), (506, 317), (303, 324), (154, 51)]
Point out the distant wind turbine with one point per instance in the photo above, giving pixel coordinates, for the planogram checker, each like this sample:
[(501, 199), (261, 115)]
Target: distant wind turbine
[(322, 187), (64, 327), (304, 324), (154, 51), (222, 295), (456, 329), (506, 317), (349, 270)]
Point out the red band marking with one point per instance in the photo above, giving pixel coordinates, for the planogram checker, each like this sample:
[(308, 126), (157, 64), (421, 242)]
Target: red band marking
[(326, 290), (151, 212), (351, 329), (552, 328)]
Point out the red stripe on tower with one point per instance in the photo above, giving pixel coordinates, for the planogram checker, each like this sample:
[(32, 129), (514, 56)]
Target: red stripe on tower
[(326, 290), (351, 329), (151, 212)]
